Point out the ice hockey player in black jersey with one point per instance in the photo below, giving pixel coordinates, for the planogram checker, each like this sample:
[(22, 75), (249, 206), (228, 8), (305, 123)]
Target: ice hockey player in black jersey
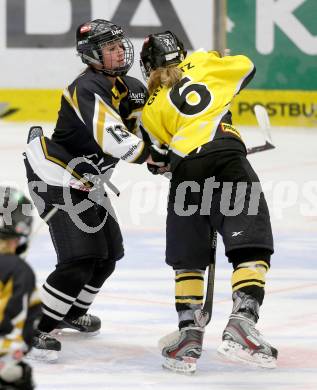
[(188, 110), (20, 304), (98, 121)]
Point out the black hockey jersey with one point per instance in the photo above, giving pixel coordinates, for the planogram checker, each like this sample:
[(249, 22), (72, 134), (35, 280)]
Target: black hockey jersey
[(101, 121), (19, 303)]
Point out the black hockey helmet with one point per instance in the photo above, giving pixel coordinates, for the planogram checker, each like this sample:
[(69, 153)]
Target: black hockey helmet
[(92, 36), (15, 218), (161, 50)]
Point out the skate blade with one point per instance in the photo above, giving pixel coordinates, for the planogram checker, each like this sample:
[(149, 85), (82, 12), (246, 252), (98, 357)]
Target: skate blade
[(235, 352), (43, 355), (186, 366), (71, 331)]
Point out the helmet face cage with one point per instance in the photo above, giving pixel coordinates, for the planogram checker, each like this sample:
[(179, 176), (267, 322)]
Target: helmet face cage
[(92, 39), (161, 50), (13, 219)]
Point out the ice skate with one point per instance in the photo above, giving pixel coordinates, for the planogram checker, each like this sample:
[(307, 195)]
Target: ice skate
[(181, 349), (84, 324), (241, 341), (44, 347)]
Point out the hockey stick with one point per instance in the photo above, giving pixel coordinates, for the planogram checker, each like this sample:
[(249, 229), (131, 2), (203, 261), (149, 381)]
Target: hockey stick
[(5, 111), (264, 124), (208, 304)]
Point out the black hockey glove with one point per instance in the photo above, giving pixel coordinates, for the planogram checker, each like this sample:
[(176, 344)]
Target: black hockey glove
[(161, 159), (153, 168), (156, 170), (159, 155)]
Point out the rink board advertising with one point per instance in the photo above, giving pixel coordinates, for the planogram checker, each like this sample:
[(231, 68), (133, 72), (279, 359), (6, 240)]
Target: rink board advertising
[(38, 58)]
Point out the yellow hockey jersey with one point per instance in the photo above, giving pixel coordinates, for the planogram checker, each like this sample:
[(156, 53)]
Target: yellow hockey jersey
[(186, 116)]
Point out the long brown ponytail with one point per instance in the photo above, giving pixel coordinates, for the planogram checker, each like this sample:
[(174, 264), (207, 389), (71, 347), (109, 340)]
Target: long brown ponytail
[(165, 77)]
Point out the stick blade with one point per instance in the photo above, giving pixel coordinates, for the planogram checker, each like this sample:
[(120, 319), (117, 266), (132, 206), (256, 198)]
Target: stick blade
[(264, 122), (262, 116), (261, 148)]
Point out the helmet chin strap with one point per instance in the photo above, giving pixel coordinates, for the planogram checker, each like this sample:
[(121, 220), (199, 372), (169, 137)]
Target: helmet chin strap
[(91, 60), (113, 75)]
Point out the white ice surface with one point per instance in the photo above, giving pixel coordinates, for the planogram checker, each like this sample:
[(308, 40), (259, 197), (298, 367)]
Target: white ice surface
[(137, 303)]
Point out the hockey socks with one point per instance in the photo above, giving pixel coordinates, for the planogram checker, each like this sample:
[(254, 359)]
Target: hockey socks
[(102, 271), (189, 294), (249, 277)]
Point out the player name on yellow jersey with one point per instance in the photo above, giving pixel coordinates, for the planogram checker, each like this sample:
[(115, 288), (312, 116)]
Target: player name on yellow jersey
[(194, 107)]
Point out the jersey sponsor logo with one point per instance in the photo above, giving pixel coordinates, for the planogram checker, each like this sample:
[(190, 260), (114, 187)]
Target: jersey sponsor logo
[(236, 234), (227, 128), (130, 152), (137, 97)]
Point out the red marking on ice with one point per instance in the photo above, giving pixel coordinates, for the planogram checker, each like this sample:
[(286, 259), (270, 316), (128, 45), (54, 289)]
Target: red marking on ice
[(291, 288)]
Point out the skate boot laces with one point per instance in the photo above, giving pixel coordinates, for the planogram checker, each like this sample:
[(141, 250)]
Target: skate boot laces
[(86, 323), (43, 340), (84, 320)]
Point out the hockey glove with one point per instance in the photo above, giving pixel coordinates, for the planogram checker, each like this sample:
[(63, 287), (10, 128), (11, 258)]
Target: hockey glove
[(156, 170), (153, 168), (159, 155)]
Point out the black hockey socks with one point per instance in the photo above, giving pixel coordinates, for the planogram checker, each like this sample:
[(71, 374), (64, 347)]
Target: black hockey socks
[(61, 290), (101, 273), (189, 294), (249, 277)]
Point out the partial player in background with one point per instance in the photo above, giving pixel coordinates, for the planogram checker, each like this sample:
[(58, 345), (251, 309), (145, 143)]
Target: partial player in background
[(188, 112), (19, 305), (99, 122)]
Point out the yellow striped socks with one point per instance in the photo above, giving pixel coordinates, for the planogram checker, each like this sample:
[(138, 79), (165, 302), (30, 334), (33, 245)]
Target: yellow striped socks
[(189, 294), (250, 277)]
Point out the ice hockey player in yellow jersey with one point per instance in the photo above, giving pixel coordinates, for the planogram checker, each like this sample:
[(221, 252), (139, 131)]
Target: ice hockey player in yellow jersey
[(188, 118)]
